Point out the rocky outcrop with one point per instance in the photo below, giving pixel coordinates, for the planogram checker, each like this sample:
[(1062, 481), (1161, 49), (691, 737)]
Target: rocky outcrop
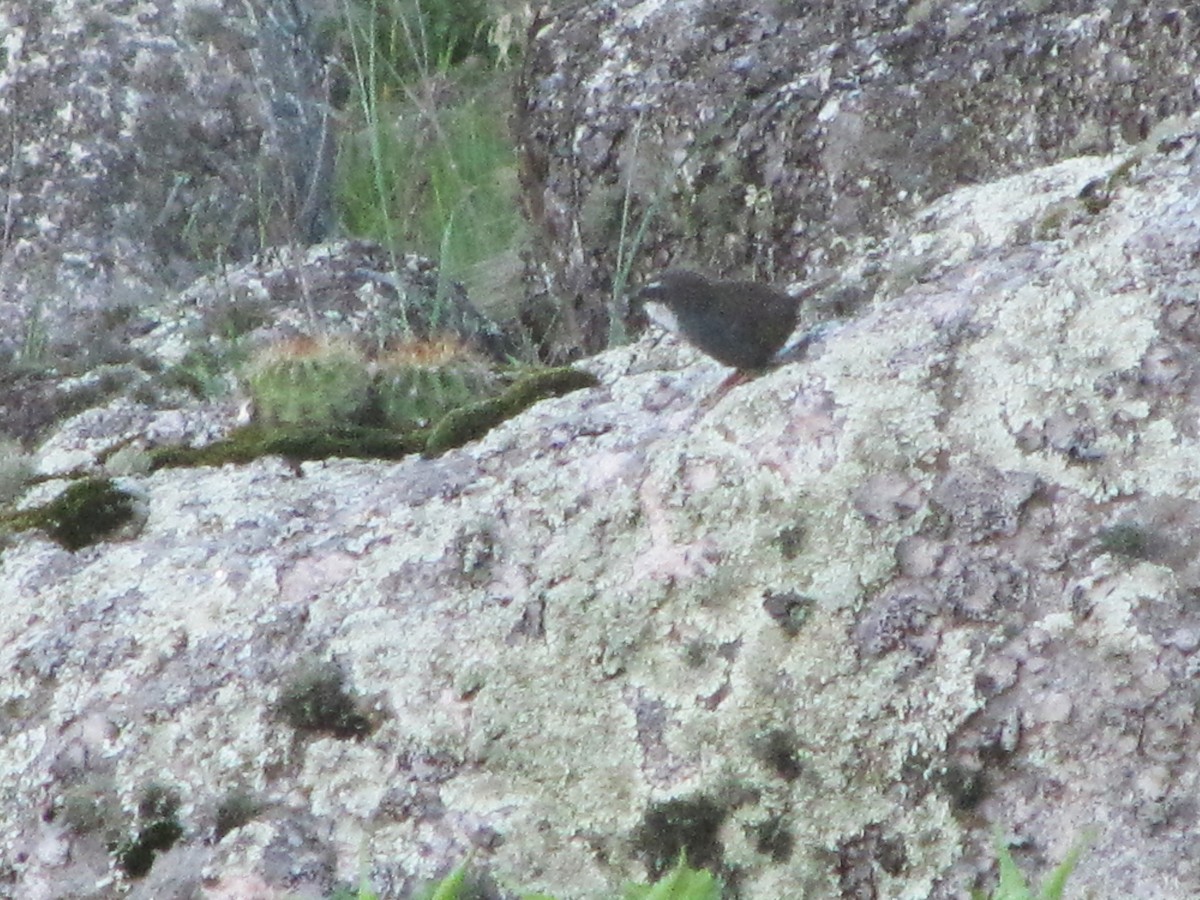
[(780, 140), (936, 575), (143, 142)]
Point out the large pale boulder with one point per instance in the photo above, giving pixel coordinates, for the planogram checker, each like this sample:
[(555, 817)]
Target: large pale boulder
[(937, 576)]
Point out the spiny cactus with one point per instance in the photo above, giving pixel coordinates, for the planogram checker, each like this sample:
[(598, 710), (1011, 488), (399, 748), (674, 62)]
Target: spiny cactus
[(419, 382), (310, 382)]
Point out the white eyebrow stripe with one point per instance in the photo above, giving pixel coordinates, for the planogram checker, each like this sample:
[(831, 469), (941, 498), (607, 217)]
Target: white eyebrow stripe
[(662, 314)]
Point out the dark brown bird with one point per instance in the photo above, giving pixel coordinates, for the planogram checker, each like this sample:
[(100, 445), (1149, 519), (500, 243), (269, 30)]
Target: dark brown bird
[(738, 323)]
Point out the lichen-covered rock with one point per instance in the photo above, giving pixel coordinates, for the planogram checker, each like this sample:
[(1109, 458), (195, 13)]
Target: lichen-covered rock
[(144, 143), (140, 139), (781, 140), (824, 633)]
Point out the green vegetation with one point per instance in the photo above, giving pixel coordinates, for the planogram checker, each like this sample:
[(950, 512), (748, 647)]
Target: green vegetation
[(236, 809), (420, 382), (681, 883), (685, 883), (428, 163), (158, 830), (396, 42), (1128, 540), (310, 382), (295, 444), (86, 512), (472, 422), (331, 441), (315, 699), (1013, 885)]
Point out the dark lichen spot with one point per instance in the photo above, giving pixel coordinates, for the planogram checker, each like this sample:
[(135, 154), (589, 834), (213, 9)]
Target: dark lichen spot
[(681, 825), (86, 512), (862, 857), (315, 699), (1129, 540), (790, 541), (891, 855), (158, 830), (776, 749), (789, 610), (774, 839), (696, 653), (236, 809), (158, 802), (965, 787)]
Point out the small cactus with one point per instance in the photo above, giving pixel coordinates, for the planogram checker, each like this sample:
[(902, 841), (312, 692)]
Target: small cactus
[(310, 382), (420, 381)]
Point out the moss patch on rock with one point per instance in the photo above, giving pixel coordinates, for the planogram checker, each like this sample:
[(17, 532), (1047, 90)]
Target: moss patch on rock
[(85, 513), (313, 442), (315, 699), (296, 443), (158, 830), (472, 422)]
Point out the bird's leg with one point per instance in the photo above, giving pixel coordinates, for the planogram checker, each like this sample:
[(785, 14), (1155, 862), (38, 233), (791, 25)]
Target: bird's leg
[(739, 376)]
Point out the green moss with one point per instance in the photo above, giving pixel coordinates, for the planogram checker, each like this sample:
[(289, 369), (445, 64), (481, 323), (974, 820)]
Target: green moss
[(1129, 540), (315, 699), (158, 830), (295, 443), (309, 442), (236, 809), (90, 808), (472, 422), (83, 514), (681, 825)]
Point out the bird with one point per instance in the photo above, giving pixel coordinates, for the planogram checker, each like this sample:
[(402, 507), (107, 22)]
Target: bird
[(742, 324)]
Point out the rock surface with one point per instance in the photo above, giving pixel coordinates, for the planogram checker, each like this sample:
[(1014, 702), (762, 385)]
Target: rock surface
[(142, 142), (938, 574), (780, 140)]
